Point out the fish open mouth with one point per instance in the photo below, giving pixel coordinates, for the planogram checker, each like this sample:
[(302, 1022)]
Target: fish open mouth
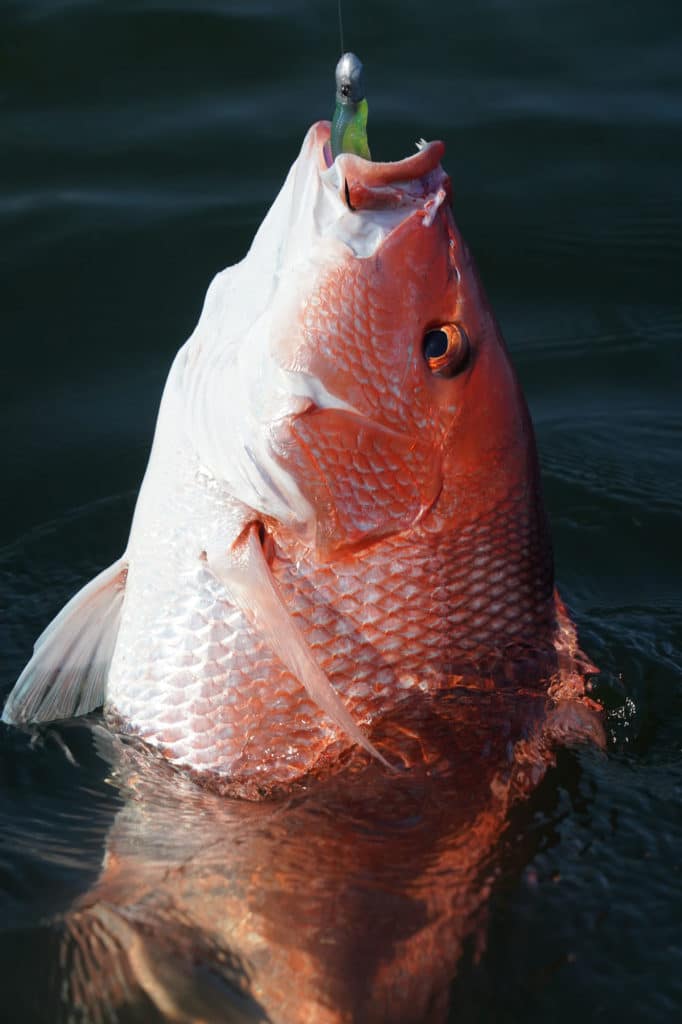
[(373, 185)]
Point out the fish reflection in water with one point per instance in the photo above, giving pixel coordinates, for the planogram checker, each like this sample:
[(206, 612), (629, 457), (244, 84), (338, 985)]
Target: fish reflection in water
[(347, 900)]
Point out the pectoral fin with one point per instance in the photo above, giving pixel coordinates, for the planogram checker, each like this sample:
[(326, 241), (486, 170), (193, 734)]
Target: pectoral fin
[(246, 576), (68, 671)]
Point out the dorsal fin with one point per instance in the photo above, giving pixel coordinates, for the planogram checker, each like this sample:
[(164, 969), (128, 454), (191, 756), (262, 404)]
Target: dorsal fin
[(68, 671)]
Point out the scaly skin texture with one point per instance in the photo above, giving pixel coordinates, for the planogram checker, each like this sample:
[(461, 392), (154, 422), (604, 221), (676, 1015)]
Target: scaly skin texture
[(430, 560)]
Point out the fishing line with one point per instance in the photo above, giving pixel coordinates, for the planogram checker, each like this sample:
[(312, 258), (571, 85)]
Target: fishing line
[(340, 25)]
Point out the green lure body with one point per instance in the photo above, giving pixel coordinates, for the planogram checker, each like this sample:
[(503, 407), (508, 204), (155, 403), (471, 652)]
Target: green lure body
[(349, 125), (349, 129)]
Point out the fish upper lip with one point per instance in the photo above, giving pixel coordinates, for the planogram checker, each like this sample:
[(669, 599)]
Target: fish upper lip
[(374, 172), (372, 183)]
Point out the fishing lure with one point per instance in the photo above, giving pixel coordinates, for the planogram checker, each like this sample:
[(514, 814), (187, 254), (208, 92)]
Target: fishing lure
[(349, 125)]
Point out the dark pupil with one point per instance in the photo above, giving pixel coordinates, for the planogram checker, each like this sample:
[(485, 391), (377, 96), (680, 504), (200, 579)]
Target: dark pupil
[(345, 90), (435, 344)]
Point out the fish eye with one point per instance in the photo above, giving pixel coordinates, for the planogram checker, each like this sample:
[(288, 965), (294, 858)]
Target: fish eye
[(446, 349)]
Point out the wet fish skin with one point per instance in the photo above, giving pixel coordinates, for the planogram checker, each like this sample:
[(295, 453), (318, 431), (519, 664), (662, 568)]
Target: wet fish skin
[(396, 516), (430, 554)]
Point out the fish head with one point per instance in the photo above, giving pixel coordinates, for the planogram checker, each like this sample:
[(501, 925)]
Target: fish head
[(372, 390)]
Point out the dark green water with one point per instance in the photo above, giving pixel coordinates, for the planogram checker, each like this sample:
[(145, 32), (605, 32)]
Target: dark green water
[(140, 145)]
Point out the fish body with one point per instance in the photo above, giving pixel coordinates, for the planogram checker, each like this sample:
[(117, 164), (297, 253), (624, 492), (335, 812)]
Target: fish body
[(333, 520)]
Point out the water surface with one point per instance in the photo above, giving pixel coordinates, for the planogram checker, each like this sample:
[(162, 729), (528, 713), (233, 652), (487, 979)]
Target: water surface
[(141, 145)]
